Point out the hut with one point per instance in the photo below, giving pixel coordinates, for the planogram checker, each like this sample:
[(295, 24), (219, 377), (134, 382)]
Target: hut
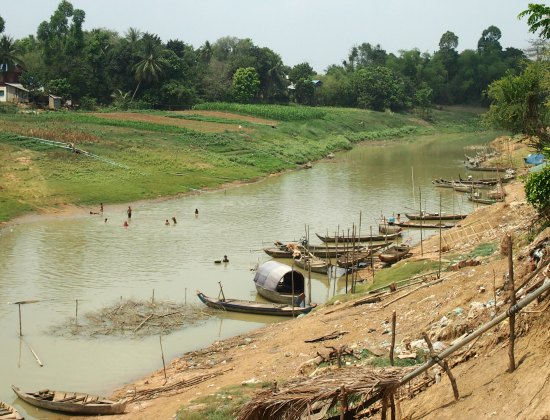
[(276, 282), (54, 102)]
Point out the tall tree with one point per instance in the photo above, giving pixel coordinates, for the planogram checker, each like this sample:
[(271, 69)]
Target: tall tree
[(8, 57), (538, 19), (489, 41), (2, 24), (151, 66), (246, 84), (519, 104)]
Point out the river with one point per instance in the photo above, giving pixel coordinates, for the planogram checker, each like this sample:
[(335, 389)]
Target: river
[(59, 260)]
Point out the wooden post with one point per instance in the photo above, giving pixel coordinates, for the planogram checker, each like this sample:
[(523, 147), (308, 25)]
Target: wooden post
[(76, 313), (153, 298), (393, 324), (443, 364), (440, 233), (421, 222), (162, 354), (512, 361), (221, 291), (292, 279), (343, 402), (20, 328), (495, 291)]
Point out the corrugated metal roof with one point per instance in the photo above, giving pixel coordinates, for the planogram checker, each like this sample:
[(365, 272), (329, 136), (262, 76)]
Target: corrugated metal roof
[(17, 86), (270, 273)]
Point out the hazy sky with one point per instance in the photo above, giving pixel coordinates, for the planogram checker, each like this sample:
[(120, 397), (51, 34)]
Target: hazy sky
[(320, 32)]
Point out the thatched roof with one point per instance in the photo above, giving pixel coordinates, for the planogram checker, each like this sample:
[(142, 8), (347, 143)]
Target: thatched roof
[(315, 396)]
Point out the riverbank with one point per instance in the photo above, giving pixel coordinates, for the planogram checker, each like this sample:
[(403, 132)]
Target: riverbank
[(128, 157), (221, 377)]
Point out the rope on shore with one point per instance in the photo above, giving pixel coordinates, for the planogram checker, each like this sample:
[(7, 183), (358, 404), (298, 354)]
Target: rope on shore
[(70, 147)]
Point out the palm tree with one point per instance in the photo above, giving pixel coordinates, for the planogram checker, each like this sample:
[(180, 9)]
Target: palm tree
[(8, 56), (151, 67)]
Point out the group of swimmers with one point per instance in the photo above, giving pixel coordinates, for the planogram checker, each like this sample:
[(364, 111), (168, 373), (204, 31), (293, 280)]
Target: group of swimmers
[(129, 214)]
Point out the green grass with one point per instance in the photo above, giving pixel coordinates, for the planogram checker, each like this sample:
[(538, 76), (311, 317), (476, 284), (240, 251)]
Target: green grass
[(219, 406), (166, 160), (402, 271)]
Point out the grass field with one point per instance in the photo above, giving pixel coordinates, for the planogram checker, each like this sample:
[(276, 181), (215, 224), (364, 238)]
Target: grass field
[(141, 155)]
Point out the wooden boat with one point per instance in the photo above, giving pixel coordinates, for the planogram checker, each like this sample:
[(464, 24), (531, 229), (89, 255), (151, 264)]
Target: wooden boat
[(425, 225), (388, 228), (281, 250), (394, 253), (7, 412), (351, 259), (471, 167), (314, 264), (362, 238), (276, 281), (251, 307), (72, 402), (442, 183), (506, 177), (434, 216), (481, 200)]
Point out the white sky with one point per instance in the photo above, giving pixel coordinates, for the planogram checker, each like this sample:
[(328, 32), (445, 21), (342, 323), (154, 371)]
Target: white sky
[(320, 32)]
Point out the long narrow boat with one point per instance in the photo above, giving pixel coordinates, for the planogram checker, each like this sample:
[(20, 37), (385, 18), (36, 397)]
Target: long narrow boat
[(485, 168), (353, 258), (251, 307), (434, 216), (321, 251), (394, 253), (314, 264), (72, 402), (362, 238), (7, 412), (426, 225), (482, 200)]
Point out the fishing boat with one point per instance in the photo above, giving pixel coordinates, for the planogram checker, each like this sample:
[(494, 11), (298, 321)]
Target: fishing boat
[(278, 282), (72, 402), (7, 412), (481, 200), (394, 253), (351, 259), (291, 250), (314, 264), (434, 216), (252, 307), (425, 225), (442, 183), (475, 167), (361, 238), (388, 227)]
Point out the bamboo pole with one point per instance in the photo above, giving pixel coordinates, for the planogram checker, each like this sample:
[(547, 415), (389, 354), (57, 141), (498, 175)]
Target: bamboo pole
[(440, 234), (443, 364), (512, 361), (421, 221), (33, 352), (292, 285), (162, 354), (20, 327), (450, 350), (76, 314), (393, 324)]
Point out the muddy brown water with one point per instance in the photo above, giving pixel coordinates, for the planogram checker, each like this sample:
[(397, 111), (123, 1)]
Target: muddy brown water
[(59, 260)]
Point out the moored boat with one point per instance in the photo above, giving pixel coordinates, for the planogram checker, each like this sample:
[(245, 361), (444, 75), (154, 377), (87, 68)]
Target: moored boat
[(481, 200), (278, 282), (434, 216), (72, 402), (7, 412), (316, 265), (428, 224), (394, 253), (252, 307), (361, 238)]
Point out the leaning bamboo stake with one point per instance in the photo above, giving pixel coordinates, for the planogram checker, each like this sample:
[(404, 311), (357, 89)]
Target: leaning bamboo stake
[(443, 364), (33, 352), (512, 361), (450, 350), (393, 323), (343, 402), (162, 354)]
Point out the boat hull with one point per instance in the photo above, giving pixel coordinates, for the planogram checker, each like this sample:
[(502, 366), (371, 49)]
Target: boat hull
[(255, 308), (7, 412), (72, 402), (434, 216), (362, 238)]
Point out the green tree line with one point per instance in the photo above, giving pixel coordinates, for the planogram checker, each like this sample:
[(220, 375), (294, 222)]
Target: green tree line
[(137, 69)]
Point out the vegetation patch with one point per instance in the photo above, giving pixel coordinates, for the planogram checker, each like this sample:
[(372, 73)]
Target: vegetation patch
[(274, 112)]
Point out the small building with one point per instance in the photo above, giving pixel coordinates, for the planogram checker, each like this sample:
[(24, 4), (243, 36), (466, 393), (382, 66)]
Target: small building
[(13, 92), (54, 102)]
